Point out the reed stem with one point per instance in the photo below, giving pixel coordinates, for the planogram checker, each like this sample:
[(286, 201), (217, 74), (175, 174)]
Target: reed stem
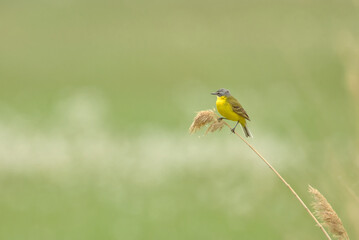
[(285, 182)]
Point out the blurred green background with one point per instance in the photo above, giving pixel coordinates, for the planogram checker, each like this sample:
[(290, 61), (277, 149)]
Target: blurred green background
[(96, 98)]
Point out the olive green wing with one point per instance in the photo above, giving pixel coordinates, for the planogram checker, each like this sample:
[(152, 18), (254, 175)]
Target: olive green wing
[(237, 107)]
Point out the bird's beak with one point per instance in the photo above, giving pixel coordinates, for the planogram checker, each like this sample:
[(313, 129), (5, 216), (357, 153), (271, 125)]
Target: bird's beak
[(214, 93)]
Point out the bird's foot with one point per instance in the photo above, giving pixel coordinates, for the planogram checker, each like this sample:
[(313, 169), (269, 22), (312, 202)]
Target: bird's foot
[(233, 130), (220, 119)]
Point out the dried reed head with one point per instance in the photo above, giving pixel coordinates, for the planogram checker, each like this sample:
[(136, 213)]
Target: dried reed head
[(327, 215), (204, 118)]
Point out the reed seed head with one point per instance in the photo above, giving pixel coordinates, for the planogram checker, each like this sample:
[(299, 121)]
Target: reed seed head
[(203, 118), (327, 215), (217, 125)]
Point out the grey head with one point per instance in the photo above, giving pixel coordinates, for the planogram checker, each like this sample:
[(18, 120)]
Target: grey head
[(222, 92)]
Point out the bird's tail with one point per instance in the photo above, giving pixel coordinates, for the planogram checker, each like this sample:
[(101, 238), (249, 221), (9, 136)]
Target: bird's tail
[(246, 131)]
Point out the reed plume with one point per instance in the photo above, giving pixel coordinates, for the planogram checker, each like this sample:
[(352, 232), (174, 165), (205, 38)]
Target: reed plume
[(327, 215), (203, 118)]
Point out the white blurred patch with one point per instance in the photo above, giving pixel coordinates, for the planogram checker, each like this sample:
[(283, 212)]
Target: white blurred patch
[(85, 110), (78, 132)]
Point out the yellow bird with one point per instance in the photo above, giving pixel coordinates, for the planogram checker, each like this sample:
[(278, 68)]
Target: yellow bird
[(231, 109)]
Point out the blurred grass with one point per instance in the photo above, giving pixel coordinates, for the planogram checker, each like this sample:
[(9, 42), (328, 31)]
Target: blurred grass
[(94, 93)]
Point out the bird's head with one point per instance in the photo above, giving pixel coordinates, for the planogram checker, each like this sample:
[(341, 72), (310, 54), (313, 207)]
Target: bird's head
[(222, 92)]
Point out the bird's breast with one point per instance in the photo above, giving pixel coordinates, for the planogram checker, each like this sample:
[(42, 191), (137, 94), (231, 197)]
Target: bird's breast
[(225, 109)]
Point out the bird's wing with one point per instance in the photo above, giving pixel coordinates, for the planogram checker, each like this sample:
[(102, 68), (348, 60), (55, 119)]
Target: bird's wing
[(237, 107)]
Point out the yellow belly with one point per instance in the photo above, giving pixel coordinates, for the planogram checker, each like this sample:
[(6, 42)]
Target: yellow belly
[(225, 109)]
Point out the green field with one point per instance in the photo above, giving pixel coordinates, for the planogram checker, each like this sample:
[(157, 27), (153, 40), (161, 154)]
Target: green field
[(96, 98)]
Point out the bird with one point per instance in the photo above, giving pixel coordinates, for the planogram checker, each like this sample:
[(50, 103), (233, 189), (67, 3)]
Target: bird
[(231, 109)]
